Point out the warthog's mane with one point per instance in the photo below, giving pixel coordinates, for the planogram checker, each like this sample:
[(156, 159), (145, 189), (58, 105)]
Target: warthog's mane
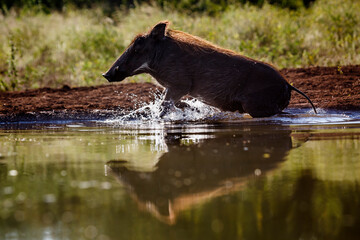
[(194, 44), (190, 43)]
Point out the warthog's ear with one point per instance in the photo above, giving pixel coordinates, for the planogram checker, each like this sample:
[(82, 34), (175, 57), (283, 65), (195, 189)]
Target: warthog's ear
[(158, 32)]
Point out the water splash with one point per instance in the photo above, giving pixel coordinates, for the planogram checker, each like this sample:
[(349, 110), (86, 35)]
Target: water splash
[(146, 113)]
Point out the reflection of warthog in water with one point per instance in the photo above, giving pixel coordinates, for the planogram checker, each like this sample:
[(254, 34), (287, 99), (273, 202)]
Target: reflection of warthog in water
[(189, 174), (187, 65)]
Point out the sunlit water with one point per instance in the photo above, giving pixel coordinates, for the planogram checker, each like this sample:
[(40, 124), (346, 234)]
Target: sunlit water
[(196, 174)]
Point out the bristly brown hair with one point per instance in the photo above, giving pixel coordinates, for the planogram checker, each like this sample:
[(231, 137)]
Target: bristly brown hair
[(190, 43), (194, 44)]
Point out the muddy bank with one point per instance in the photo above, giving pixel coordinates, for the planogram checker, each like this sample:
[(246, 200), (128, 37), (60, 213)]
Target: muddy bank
[(328, 87)]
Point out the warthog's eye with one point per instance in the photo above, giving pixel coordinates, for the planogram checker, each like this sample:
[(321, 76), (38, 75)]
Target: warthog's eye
[(116, 68)]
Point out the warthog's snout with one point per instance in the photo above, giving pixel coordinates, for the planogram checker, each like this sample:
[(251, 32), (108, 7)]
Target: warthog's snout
[(115, 74), (107, 77)]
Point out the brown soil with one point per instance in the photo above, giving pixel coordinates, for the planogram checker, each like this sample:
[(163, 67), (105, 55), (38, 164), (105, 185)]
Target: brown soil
[(328, 87)]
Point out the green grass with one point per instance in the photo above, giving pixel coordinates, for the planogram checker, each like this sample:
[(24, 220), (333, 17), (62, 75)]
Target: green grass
[(74, 47)]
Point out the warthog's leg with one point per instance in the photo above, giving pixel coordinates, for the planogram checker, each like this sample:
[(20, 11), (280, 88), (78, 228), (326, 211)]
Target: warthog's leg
[(171, 100), (166, 107)]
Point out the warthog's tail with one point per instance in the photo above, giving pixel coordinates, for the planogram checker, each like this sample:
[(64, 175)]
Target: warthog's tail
[(297, 90)]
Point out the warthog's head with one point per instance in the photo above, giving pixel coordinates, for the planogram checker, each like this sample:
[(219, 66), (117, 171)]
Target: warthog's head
[(138, 56)]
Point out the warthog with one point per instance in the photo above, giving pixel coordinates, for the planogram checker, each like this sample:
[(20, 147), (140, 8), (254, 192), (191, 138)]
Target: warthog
[(188, 65)]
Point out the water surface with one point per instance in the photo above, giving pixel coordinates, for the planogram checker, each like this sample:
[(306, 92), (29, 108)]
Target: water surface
[(292, 176)]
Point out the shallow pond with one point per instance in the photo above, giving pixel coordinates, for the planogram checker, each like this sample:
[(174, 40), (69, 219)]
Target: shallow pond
[(294, 176)]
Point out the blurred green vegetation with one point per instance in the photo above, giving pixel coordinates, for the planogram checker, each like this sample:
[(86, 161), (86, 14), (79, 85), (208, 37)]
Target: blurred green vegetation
[(209, 6), (75, 45)]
